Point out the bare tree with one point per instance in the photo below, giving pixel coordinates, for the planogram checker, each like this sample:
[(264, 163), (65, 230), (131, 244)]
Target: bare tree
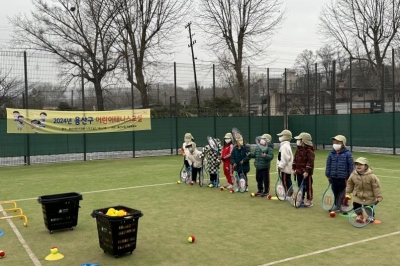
[(149, 28), (305, 61), (243, 27), (10, 88), (74, 30), (364, 28)]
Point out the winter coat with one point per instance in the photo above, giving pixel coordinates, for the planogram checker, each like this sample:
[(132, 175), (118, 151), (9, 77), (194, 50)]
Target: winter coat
[(365, 187), (339, 164), (239, 155), (226, 154), (285, 158), (261, 162), (195, 159), (213, 160), (304, 160)]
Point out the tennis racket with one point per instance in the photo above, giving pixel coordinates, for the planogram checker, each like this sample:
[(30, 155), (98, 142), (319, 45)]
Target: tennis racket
[(291, 193), (328, 198), (242, 182), (262, 143), (279, 188), (183, 173), (363, 216), (299, 195), (237, 136), (188, 175), (345, 202)]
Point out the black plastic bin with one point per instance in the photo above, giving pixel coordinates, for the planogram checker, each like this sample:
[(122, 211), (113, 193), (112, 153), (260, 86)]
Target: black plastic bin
[(117, 234), (60, 211)]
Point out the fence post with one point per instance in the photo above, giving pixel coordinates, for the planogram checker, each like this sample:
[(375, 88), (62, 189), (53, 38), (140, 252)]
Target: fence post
[(285, 114), (27, 158), (133, 110), (351, 103), (268, 103), (383, 90), (248, 101), (83, 107), (176, 114), (333, 88), (308, 91), (393, 104), (316, 105), (214, 103)]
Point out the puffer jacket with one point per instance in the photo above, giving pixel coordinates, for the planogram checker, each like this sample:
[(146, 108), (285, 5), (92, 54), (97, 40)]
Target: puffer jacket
[(261, 162), (304, 160), (285, 158), (339, 164), (365, 187), (239, 155)]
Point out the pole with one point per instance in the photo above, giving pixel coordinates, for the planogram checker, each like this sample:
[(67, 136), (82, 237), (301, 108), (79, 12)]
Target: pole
[(176, 113), (393, 103), (333, 89), (215, 105), (248, 100), (268, 102), (27, 158), (285, 108), (133, 110), (194, 67), (83, 107), (308, 91), (351, 104), (316, 104)]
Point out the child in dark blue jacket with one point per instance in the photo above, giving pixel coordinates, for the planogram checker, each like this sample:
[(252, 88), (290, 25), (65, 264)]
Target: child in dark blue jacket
[(339, 166)]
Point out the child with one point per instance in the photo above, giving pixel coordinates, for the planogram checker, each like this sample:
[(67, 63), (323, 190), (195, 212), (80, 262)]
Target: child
[(213, 162), (226, 160), (262, 163), (194, 159), (240, 161), (285, 159), (303, 165), (339, 166), (184, 151), (364, 185)]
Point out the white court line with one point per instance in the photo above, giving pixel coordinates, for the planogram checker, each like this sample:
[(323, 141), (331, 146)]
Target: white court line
[(22, 240), (330, 249)]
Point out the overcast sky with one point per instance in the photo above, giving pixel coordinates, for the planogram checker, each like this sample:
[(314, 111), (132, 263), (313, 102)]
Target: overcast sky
[(297, 33)]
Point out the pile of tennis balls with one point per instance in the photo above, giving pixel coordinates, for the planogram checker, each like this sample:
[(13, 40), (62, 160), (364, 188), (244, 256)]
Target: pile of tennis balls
[(114, 212)]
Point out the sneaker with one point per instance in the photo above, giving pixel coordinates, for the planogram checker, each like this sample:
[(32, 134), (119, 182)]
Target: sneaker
[(229, 186), (259, 193), (246, 190), (264, 194), (237, 190), (334, 209), (360, 219), (308, 203)]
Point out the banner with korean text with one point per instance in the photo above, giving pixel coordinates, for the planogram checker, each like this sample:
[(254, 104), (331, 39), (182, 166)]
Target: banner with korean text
[(31, 121)]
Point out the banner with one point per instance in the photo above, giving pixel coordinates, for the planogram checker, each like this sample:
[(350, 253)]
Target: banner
[(31, 121)]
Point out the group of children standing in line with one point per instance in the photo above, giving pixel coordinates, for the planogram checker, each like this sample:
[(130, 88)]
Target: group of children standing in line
[(355, 177)]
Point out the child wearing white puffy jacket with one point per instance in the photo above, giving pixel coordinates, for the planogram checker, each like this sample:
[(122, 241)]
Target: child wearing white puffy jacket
[(285, 159)]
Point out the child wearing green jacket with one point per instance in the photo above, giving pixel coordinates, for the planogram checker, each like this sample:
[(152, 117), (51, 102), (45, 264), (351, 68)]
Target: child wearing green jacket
[(262, 163)]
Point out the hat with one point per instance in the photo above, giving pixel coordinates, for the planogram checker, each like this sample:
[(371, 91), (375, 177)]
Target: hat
[(340, 138), (228, 136), (267, 137), (191, 143), (286, 135), (362, 160), (188, 138), (305, 137)]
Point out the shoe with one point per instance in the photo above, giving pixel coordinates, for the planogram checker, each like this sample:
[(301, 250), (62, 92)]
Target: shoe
[(259, 193), (229, 186), (237, 190), (360, 219), (264, 194), (308, 203), (334, 209), (246, 190)]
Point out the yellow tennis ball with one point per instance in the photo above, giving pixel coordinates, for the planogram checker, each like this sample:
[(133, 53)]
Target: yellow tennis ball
[(191, 239), (348, 197)]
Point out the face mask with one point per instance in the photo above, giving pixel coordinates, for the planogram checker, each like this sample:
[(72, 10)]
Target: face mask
[(298, 142), (191, 149), (228, 141), (337, 147), (280, 139)]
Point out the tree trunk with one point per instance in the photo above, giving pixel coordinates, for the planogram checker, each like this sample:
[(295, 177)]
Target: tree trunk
[(241, 89), (141, 86), (99, 96)]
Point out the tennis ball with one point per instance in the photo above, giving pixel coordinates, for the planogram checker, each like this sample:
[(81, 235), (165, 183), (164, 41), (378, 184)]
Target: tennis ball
[(2, 254), (252, 194), (221, 188), (348, 197), (232, 191), (210, 185), (332, 214), (178, 182), (191, 239), (191, 183), (90, 159), (269, 197), (54, 250)]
